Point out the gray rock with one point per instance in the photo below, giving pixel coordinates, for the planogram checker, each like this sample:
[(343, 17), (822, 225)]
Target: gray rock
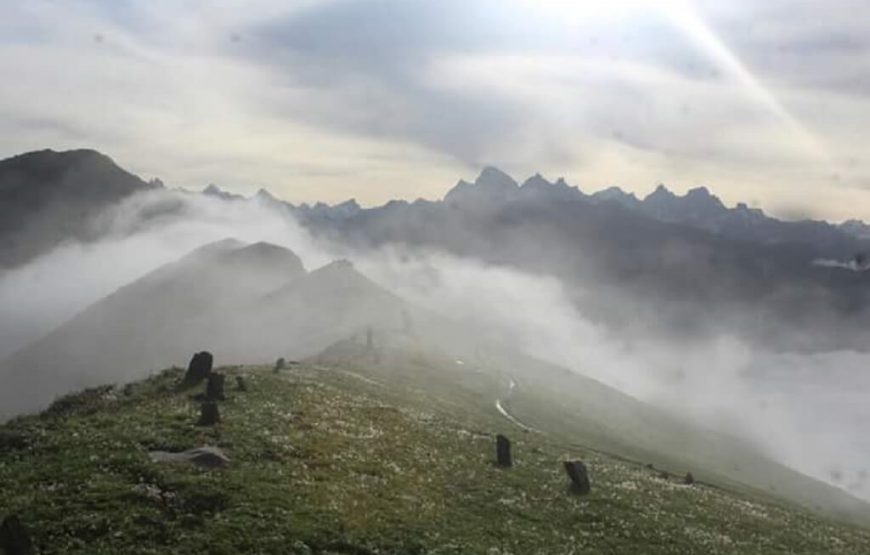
[(14, 539), (199, 368), (209, 414), (214, 389), (579, 475), (503, 451), (209, 457)]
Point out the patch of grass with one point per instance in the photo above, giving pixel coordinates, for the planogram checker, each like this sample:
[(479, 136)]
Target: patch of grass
[(334, 458)]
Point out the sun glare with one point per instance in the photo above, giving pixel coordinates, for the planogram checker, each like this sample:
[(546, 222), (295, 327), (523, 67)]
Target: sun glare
[(578, 10), (684, 19)]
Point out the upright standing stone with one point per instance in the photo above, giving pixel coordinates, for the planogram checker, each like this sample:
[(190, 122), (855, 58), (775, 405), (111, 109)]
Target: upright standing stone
[(503, 451), (214, 389), (240, 384), (579, 477), (199, 368), (689, 479), (279, 364), (14, 539), (209, 414), (370, 339)]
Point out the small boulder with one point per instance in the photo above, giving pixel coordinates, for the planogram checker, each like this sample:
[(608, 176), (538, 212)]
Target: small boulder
[(208, 457), (503, 451), (199, 368), (209, 414), (579, 476), (14, 538)]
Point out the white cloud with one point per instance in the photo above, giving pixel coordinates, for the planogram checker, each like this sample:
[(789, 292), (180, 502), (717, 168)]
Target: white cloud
[(376, 99)]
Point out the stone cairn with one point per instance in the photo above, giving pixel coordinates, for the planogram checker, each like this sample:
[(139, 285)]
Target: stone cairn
[(199, 370), (503, 451), (579, 476)]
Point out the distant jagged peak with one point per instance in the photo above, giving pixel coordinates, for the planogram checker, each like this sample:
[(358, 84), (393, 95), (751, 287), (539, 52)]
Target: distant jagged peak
[(700, 192), (561, 184), (855, 228), (494, 185), (326, 212), (264, 194), (743, 208), (660, 193), (400, 203), (491, 185), (613, 192), (213, 190), (347, 208), (537, 181), (494, 178), (701, 196)]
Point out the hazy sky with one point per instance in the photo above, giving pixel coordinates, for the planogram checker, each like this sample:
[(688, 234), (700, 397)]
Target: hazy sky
[(766, 102)]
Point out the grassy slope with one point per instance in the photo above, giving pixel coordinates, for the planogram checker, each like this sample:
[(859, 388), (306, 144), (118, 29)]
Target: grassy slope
[(328, 460)]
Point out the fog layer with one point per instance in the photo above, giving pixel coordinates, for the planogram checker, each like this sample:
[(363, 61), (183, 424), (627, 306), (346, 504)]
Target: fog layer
[(805, 410)]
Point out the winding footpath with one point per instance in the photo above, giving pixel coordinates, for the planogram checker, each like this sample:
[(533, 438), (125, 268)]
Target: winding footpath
[(500, 407)]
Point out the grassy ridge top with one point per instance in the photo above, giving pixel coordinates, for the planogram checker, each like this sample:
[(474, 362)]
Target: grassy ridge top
[(327, 460)]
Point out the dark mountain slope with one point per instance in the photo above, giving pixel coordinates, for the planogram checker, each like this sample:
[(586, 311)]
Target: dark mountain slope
[(47, 197)]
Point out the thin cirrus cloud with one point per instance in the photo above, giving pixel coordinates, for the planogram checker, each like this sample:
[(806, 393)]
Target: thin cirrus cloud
[(398, 98)]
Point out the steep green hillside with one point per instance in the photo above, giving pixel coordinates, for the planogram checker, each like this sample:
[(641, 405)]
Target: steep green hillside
[(327, 459)]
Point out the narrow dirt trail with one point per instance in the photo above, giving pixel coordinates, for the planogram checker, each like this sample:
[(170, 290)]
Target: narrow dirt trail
[(500, 407)]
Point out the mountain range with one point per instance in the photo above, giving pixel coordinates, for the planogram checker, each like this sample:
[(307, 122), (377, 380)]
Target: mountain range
[(680, 266), (49, 196)]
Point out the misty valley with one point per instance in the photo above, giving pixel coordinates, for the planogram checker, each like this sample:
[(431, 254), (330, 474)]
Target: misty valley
[(513, 368)]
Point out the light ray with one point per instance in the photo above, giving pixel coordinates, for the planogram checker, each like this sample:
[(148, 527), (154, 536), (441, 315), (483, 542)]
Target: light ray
[(692, 25), (685, 19)]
